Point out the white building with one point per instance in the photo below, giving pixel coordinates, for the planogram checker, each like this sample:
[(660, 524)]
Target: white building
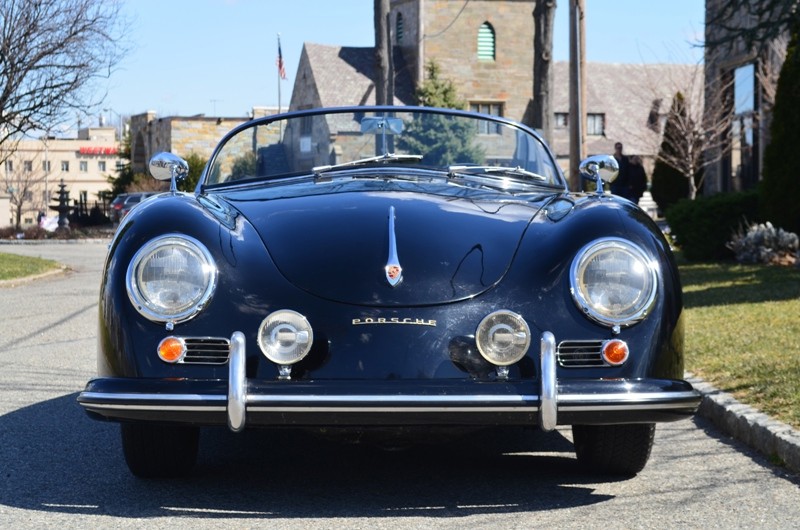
[(37, 166)]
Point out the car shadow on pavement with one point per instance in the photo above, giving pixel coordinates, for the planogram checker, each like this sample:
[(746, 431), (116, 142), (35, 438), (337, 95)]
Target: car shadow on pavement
[(54, 458)]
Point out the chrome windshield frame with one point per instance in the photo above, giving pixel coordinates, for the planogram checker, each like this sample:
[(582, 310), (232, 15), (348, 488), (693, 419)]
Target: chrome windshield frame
[(557, 180)]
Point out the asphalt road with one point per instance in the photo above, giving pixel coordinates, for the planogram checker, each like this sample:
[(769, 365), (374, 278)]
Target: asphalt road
[(59, 469)]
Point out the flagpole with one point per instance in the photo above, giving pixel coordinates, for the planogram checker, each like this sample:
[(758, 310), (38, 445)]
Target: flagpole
[(279, 75)]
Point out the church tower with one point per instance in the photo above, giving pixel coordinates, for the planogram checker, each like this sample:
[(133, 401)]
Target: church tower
[(485, 47)]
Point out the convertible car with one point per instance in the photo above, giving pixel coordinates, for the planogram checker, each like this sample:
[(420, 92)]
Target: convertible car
[(382, 269)]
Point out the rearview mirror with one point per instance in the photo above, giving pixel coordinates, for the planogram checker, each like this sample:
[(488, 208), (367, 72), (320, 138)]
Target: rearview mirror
[(381, 125)]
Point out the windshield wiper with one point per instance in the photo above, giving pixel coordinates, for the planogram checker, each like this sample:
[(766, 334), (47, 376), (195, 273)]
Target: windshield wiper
[(388, 157), (518, 171)]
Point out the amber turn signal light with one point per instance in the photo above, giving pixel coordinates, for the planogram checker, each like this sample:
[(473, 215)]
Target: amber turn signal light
[(615, 352), (172, 349)]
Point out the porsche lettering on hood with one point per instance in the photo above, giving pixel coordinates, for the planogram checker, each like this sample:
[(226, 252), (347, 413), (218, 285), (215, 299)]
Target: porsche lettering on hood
[(370, 321), (336, 247)]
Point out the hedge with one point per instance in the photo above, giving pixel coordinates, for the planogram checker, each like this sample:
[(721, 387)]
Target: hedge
[(702, 227)]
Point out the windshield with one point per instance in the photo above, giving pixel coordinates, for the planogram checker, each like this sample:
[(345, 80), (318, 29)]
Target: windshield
[(342, 139)]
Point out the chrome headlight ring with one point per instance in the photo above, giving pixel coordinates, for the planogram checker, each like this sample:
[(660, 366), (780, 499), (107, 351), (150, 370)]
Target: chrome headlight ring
[(614, 282), (171, 278)]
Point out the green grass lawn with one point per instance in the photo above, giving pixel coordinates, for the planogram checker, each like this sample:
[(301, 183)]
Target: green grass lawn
[(743, 333), (13, 266)]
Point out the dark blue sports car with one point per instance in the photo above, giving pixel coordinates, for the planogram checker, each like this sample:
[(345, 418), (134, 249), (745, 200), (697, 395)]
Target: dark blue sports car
[(385, 269)]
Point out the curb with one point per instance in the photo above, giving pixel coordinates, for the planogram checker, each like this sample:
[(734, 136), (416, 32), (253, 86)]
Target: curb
[(770, 437), (60, 271), (53, 241)]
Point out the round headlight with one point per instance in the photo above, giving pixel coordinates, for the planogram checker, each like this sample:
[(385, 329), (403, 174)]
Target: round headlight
[(171, 278), (285, 337), (503, 338), (613, 281)]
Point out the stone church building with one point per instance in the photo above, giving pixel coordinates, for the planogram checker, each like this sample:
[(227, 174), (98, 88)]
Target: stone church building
[(485, 47)]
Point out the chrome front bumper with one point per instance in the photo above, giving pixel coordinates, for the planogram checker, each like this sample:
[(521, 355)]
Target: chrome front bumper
[(240, 401)]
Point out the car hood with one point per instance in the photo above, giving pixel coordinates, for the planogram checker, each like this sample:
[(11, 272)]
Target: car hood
[(337, 246)]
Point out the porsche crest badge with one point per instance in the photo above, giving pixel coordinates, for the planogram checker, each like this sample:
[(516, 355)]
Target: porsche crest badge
[(394, 272)]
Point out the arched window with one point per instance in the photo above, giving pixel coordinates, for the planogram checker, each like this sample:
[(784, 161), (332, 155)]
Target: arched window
[(486, 42), (398, 28)]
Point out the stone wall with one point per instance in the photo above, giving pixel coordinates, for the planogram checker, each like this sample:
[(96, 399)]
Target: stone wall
[(410, 42), (179, 135), (721, 61), (450, 30), (305, 93)]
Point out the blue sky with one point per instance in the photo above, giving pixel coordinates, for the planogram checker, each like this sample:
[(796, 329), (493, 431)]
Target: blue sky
[(217, 57)]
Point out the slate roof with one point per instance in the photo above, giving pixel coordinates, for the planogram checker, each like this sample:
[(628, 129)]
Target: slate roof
[(625, 94), (344, 76)]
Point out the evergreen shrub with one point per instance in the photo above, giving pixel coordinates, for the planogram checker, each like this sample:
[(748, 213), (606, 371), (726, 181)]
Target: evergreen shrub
[(703, 227), (780, 187)]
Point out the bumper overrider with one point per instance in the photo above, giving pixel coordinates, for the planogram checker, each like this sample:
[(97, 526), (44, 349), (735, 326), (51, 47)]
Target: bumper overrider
[(239, 401)]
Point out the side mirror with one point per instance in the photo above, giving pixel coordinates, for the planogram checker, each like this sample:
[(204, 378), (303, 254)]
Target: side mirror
[(600, 169), (166, 166)]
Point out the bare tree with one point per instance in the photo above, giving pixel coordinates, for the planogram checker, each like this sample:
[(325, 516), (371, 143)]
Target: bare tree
[(755, 22), (543, 15), (699, 133), (382, 51), (682, 142), (703, 136), (51, 54), (21, 183)]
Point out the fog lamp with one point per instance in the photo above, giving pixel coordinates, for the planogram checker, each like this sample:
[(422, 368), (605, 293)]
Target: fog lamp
[(285, 337), (172, 349), (615, 352), (503, 338)]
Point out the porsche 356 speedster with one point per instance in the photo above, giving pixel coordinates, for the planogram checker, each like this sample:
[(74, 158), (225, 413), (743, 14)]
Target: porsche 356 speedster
[(373, 268)]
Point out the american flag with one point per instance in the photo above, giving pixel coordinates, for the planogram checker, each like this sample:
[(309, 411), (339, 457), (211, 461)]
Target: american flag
[(279, 62)]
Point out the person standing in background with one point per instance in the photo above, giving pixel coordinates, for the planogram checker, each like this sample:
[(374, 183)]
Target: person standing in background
[(621, 185)]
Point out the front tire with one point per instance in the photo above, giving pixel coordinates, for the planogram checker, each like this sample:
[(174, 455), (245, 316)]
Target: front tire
[(159, 451), (614, 449)]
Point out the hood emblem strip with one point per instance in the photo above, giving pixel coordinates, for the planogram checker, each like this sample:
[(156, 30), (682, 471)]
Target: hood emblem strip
[(394, 272)]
